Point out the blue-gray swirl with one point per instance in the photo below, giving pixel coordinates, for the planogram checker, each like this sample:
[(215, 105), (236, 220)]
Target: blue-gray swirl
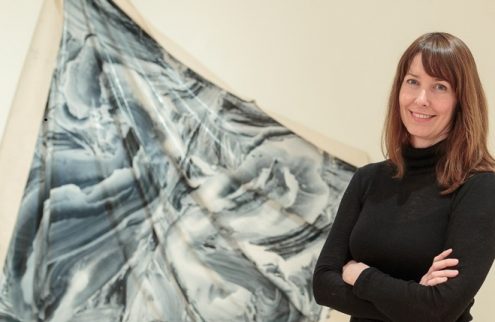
[(155, 195)]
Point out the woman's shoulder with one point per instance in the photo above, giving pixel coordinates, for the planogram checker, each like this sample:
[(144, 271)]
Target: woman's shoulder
[(371, 169), (479, 186), (366, 174), (481, 180)]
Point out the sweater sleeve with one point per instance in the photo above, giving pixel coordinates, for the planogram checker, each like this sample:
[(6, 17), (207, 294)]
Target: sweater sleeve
[(471, 235), (328, 286)]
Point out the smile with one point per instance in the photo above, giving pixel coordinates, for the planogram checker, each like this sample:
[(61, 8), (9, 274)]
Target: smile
[(421, 116)]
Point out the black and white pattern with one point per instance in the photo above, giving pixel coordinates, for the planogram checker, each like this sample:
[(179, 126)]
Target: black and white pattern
[(155, 195)]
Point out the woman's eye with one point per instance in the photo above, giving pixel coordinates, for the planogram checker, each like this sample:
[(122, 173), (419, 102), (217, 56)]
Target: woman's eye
[(440, 87), (412, 81)]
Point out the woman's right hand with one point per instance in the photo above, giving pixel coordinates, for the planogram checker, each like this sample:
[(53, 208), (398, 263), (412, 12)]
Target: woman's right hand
[(439, 272)]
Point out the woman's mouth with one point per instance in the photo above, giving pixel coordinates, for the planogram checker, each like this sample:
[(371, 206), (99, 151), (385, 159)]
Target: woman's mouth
[(421, 116)]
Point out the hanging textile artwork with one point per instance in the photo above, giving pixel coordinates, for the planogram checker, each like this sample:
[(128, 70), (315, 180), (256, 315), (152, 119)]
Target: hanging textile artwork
[(155, 195)]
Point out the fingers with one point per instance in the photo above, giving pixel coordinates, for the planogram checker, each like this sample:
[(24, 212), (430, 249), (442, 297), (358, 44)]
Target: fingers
[(438, 277), (442, 255), (442, 264), (439, 271), (436, 281), (449, 273)]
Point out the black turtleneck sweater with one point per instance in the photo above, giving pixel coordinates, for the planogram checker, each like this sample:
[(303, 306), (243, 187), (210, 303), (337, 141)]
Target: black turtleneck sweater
[(397, 226)]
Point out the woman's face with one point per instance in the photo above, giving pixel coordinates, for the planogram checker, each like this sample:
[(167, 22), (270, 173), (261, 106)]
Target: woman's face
[(427, 106)]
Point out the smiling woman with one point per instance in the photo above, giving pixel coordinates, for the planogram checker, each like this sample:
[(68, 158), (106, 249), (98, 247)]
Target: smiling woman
[(447, 66), (427, 105), (402, 246)]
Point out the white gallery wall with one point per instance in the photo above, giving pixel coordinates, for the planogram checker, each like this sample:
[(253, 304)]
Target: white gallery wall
[(326, 65), (17, 22)]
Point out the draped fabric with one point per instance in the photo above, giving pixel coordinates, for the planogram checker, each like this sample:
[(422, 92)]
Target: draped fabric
[(155, 195)]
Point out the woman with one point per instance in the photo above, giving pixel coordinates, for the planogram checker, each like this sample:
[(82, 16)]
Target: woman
[(414, 237)]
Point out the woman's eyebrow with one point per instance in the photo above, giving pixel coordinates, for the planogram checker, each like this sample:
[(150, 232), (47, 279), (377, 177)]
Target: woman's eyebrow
[(441, 79), (438, 79)]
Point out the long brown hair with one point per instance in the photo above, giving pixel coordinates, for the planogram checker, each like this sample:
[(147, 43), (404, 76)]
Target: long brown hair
[(446, 57)]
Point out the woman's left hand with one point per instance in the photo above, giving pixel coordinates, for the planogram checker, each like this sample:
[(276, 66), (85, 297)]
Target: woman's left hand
[(352, 270), (440, 270)]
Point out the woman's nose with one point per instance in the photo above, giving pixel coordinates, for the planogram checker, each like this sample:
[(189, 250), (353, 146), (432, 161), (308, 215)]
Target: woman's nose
[(422, 98)]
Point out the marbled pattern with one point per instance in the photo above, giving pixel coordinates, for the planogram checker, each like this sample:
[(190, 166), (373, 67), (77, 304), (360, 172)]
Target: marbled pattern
[(155, 195)]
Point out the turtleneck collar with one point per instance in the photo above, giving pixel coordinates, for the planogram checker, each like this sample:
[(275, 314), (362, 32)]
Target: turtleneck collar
[(422, 159)]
